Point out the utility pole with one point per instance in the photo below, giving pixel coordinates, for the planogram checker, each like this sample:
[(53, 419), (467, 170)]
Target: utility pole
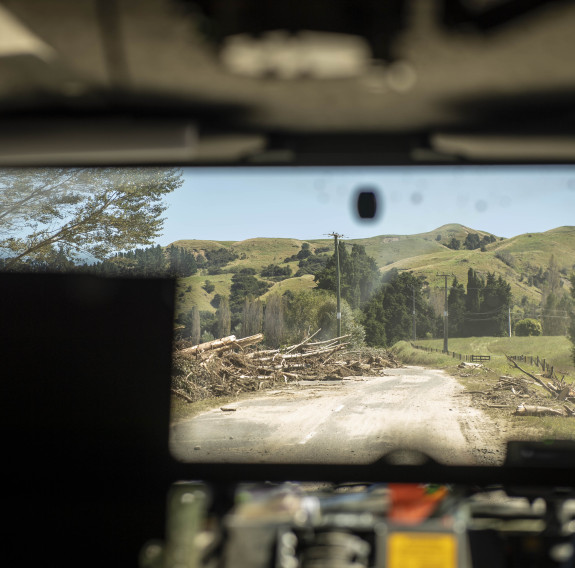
[(337, 236), (414, 320), (509, 322), (445, 315)]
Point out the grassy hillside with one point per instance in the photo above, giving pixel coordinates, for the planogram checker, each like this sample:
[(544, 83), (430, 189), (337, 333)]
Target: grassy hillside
[(199, 246), (261, 252), (536, 248), (459, 262), (387, 249), (253, 253), (555, 349), (515, 259), (294, 284), (190, 292)]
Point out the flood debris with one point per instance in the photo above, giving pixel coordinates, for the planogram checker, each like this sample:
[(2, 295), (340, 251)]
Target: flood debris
[(222, 344), (466, 365), (524, 395), (229, 366), (528, 410), (558, 388)]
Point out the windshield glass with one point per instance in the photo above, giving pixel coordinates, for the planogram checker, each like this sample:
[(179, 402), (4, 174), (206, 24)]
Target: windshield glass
[(441, 322)]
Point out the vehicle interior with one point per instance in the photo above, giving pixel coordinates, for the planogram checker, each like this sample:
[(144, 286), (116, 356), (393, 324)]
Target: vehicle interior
[(431, 142)]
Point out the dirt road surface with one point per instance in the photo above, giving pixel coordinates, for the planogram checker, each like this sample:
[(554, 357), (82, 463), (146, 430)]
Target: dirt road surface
[(352, 421)]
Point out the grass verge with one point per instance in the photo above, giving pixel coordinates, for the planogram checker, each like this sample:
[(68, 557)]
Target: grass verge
[(484, 379), (555, 349)]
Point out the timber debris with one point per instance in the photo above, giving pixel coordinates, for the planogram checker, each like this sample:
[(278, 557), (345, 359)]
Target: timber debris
[(558, 388), (509, 391), (228, 366)]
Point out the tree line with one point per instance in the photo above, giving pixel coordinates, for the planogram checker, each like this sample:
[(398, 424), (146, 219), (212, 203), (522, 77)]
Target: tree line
[(480, 309), (375, 311), (148, 262), (472, 242)]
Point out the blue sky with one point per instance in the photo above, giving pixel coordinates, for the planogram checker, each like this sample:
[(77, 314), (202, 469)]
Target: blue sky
[(306, 203)]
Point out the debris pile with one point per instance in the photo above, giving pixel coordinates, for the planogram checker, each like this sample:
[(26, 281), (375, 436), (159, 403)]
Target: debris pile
[(509, 391), (228, 366), (557, 388)]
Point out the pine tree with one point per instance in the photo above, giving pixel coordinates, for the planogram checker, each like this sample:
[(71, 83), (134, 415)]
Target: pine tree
[(223, 315), (456, 308), (374, 320), (495, 306), (388, 315), (472, 241), (454, 244), (473, 300), (359, 275)]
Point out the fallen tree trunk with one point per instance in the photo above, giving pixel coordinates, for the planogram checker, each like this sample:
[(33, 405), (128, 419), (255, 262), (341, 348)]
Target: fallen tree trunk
[(222, 344), (209, 346), (284, 357), (250, 340), (334, 340), (222, 367), (182, 395), (524, 410), (536, 379), (306, 340), (564, 393)]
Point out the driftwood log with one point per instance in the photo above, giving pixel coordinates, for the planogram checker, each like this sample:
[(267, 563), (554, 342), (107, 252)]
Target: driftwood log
[(528, 410), (222, 344), (536, 379), (228, 366)]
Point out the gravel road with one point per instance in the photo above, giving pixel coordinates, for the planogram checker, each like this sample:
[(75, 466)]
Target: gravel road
[(352, 421)]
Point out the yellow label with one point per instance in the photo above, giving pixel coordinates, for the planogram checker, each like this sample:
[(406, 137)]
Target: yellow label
[(421, 550)]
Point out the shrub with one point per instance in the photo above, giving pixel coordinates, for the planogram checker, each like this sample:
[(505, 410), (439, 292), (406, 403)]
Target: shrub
[(506, 257), (454, 244), (527, 327), (206, 337), (275, 271)]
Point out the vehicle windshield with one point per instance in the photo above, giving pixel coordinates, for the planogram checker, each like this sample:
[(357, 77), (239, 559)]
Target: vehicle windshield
[(333, 315)]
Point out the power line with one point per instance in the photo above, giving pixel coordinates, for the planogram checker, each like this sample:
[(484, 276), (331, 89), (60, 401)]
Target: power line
[(498, 310)]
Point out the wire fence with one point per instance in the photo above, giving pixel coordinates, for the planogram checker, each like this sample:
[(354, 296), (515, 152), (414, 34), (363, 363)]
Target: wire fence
[(459, 356), (534, 360)]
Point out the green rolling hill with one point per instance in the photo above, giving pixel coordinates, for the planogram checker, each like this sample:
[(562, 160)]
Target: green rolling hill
[(516, 259)]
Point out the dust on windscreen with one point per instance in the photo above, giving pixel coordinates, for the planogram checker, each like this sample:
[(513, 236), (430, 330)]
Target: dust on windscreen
[(333, 315)]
